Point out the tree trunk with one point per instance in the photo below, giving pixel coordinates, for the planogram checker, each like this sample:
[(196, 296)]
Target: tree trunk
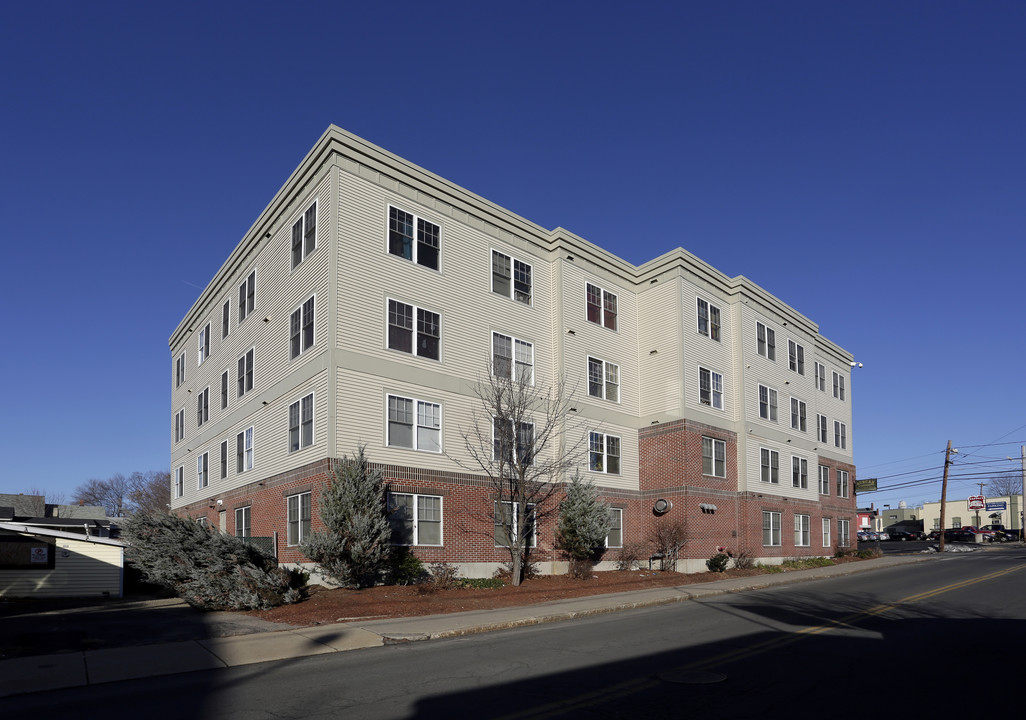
[(517, 568)]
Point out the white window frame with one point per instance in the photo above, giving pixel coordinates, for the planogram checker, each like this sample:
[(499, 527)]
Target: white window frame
[(246, 513), (826, 532), (518, 360), (799, 472), (304, 235), (225, 388), (301, 423), (247, 296), (202, 470), (840, 435), (766, 341), (608, 382), (224, 459), (179, 481), (203, 406), (802, 530), (421, 237), (769, 466), (767, 406), (824, 480), (297, 523), (244, 453), (599, 455), (606, 317), (518, 289), (821, 377), (244, 375), (615, 525), (710, 388), (419, 410), (180, 370), (226, 318), (301, 327), (419, 508), (771, 528), (843, 533), (795, 357), (838, 385), (532, 513), (180, 425), (842, 483), (714, 457), (708, 317), (799, 415), (417, 315), (203, 345), (822, 428), (526, 428)]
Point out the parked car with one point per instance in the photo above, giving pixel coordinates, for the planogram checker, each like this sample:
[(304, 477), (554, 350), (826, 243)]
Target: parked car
[(905, 535), (988, 535), (958, 535), (1002, 533), (933, 535), (883, 535), (863, 536)]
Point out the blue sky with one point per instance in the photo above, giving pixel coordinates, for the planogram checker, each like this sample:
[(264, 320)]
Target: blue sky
[(862, 161)]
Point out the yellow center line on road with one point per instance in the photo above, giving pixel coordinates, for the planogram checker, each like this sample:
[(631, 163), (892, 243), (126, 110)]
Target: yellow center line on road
[(629, 687)]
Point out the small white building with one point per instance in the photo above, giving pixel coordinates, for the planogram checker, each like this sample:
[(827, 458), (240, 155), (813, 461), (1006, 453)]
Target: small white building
[(42, 562), (1005, 510)]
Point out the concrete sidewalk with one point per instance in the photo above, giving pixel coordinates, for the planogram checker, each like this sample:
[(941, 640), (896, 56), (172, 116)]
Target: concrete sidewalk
[(74, 669)]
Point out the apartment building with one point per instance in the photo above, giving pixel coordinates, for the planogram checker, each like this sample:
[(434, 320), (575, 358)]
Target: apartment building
[(371, 295)]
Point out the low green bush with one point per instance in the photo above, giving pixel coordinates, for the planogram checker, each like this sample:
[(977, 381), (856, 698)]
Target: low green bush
[(718, 562)]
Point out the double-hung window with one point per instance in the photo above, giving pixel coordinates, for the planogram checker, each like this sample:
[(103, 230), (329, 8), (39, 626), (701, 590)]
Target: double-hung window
[(512, 358), (614, 538), (513, 448), (243, 526), (202, 478), (604, 453), (840, 435), (420, 247), (247, 296), (203, 407), (843, 533), (821, 424), (770, 528), (180, 370), (603, 379), (415, 519), (799, 472), (422, 341), (710, 388), (601, 306), (766, 340), (795, 357), (507, 522), (245, 374), (203, 349), (301, 328), (714, 457), (838, 386), (820, 377), (179, 425), (767, 403), (224, 389), (226, 316), (708, 319), (301, 423), (244, 451), (180, 481), (802, 531), (511, 278), (298, 519), (826, 532), (769, 466), (224, 459), (414, 424), (304, 235), (798, 413), (842, 483), (824, 480)]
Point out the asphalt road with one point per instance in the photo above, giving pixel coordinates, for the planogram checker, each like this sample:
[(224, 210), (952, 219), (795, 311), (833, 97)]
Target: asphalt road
[(927, 638)]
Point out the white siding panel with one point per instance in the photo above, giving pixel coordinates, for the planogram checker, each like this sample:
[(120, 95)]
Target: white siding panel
[(88, 570)]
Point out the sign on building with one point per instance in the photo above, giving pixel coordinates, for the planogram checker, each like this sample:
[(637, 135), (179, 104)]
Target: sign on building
[(996, 505), (977, 502)]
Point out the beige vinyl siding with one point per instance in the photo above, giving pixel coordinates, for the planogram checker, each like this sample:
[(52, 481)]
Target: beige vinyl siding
[(89, 570), (629, 462), (660, 374), (784, 488), (703, 351)]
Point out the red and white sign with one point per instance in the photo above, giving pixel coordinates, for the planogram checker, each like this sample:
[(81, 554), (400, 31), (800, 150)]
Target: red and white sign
[(977, 502)]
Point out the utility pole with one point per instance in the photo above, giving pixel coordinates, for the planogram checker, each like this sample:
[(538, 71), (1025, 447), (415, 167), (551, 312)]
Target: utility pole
[(944, 495), (981, 484), (1022, 496)]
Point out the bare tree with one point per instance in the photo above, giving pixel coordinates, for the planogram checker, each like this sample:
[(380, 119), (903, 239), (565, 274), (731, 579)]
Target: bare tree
[(52, 498), (519, 440), (1006, 484), (119, 496)]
